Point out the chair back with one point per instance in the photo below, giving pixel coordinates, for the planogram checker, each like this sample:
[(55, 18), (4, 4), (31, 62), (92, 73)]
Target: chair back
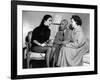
[(28, 44)]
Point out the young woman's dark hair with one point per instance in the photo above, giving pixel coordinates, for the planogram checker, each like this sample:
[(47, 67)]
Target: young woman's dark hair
[(77, 19), (44, 19)]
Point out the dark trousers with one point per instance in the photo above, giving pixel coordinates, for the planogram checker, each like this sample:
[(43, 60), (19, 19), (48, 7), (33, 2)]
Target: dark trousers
[(45, 49)]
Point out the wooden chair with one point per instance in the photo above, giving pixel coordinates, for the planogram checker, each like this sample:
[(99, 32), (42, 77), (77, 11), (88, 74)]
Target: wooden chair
[(32, 55)]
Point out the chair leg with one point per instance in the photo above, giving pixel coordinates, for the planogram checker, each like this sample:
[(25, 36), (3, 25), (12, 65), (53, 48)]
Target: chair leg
[(28, 61), (54, 61), (30, 66)]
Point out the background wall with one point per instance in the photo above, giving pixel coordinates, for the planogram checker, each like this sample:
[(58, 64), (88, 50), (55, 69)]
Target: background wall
[(5, 40), (33, 19)]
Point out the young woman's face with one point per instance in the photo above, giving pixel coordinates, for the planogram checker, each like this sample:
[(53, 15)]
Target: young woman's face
[(73, 23), (48, 22)]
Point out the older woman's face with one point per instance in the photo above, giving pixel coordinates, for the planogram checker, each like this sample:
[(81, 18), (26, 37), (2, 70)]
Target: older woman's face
[(73, 23), (48, 22)]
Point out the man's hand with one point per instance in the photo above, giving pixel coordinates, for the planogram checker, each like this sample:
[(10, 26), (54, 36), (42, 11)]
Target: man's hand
[(64, 43)]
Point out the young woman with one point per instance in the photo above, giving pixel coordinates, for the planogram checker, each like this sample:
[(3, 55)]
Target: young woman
[(40, 36), (72, 52)]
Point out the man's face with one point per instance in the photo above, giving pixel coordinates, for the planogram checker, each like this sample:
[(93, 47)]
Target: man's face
[(63, 24)]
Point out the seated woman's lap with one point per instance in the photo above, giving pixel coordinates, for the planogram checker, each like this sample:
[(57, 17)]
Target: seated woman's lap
[(40, 49)]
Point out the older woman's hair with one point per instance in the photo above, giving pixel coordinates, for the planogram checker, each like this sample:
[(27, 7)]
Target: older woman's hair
[(77, 19)]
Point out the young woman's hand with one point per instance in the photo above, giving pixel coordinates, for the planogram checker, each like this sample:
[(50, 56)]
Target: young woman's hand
[(43, 44)]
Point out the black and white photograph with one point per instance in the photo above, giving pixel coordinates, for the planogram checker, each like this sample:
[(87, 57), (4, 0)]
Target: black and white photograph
[(53, 39)]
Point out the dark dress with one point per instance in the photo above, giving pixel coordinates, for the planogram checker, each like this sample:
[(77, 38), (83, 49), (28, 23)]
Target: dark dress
[(41, 34)]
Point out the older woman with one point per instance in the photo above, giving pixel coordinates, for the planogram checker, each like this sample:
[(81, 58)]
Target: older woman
[(72, 52)]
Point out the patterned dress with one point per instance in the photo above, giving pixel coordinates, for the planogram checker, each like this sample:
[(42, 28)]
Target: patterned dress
[(72, 53)]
